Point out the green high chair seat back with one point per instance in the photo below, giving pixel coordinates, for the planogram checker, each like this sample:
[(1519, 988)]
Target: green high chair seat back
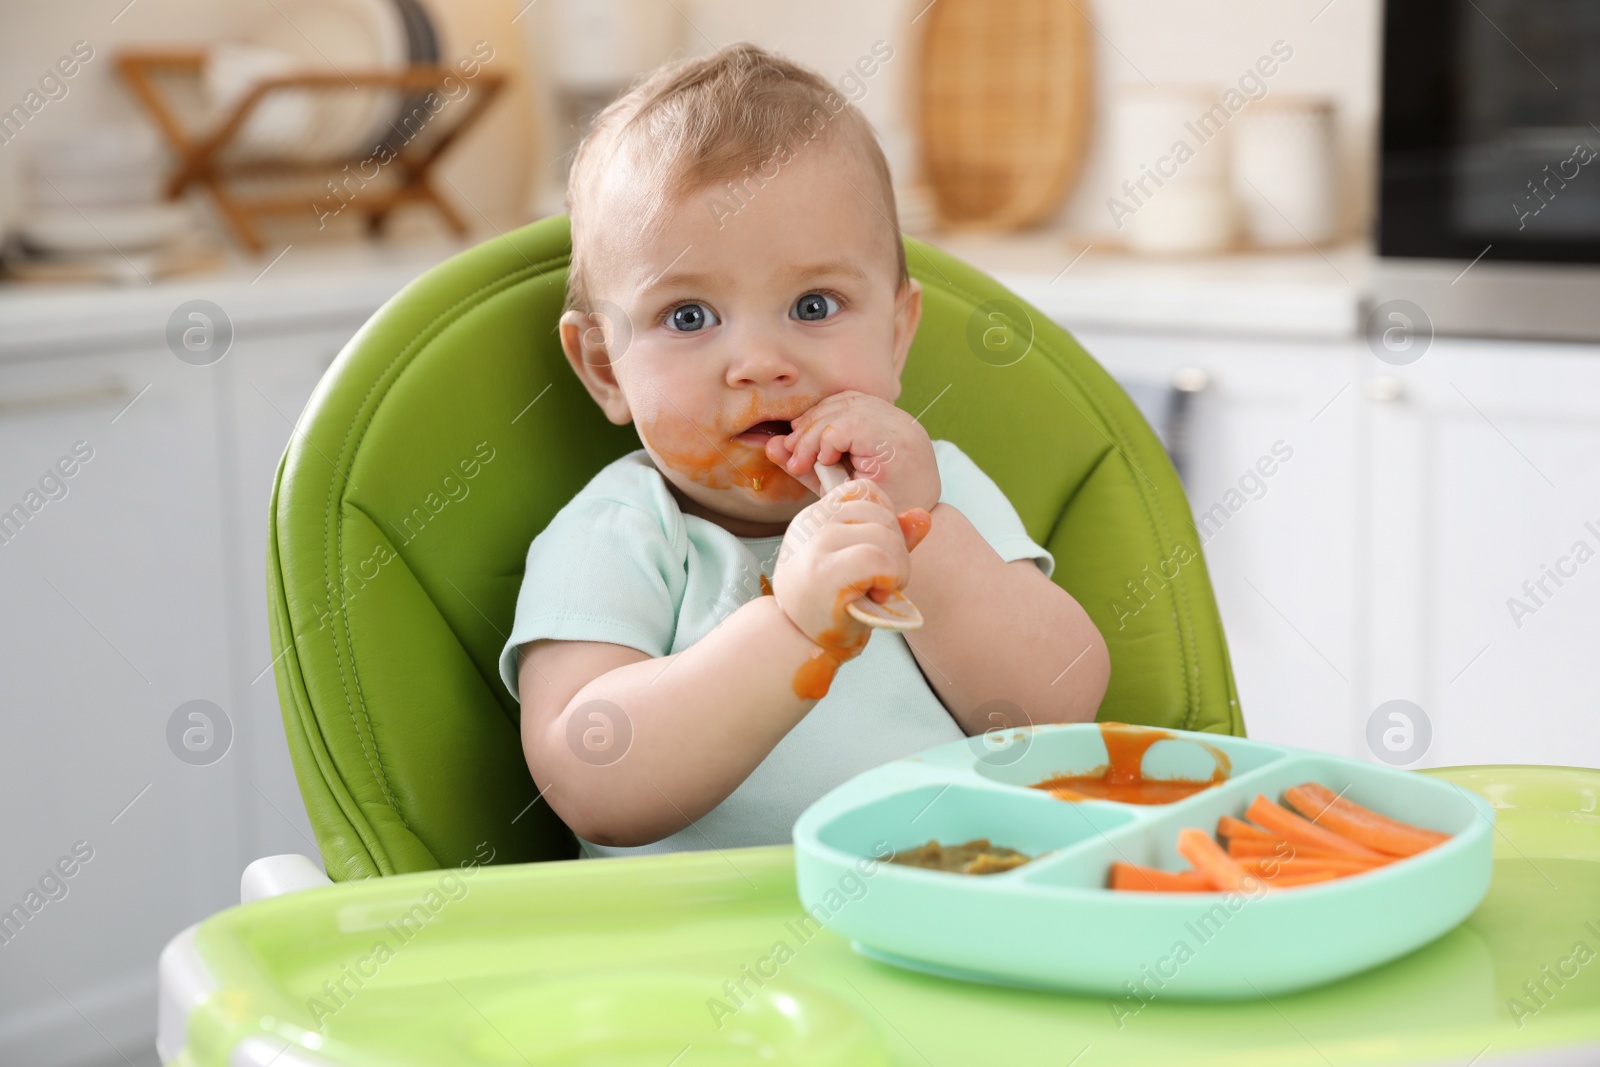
[(451, 429)]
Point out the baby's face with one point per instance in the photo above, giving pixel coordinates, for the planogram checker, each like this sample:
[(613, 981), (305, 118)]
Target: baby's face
[(744, 317)]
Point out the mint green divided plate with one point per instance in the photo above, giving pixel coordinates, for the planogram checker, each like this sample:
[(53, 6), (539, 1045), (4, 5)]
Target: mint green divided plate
[(1053, 923), (708, 956)]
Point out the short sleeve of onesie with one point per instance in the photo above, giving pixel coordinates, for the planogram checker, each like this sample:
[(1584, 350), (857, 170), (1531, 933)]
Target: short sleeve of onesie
[(602, 570), (965, 487)]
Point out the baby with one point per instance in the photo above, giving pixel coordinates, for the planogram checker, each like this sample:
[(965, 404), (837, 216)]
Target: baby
[(739, 293)]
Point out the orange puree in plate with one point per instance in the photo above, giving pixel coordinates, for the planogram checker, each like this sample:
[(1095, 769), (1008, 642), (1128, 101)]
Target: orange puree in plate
[(1122, 778)]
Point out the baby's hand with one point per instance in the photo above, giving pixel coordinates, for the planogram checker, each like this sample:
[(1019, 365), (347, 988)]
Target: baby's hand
[(847, 545), (886, 446)]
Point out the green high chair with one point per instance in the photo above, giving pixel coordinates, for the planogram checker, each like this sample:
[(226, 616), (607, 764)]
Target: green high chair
[(451, 429)]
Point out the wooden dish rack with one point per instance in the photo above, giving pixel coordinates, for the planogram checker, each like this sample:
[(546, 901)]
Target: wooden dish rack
[(203, 159)]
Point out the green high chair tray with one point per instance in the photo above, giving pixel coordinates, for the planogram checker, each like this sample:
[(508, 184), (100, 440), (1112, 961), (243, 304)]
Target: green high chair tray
[(708, 958)]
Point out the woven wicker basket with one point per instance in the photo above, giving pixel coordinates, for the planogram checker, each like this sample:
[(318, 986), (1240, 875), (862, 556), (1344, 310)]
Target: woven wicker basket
[(1003, 96)]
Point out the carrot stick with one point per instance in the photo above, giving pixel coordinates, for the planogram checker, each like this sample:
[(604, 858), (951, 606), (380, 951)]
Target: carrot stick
[(1359, 824), (1286, 879), (1213, 864), (1284, 851), (1239, 830), (1302, 831), (1265, 867), (1130, 876)]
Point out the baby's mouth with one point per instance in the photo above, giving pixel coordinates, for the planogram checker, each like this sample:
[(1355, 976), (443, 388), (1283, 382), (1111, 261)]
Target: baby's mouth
[(758, 434)]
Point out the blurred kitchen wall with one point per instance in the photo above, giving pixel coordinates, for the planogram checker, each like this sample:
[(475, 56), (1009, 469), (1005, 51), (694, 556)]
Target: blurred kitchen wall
[(1137, 42), (1336, 50)]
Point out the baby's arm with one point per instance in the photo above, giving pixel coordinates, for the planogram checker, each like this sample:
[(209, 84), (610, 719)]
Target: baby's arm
[(702, 719), (695, 723), (1001, 631)]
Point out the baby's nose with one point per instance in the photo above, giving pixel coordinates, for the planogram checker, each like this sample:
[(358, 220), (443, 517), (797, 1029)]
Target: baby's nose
[(759, 362)]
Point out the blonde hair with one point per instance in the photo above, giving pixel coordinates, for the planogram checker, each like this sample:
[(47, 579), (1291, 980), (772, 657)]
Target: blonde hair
[(718, 118)]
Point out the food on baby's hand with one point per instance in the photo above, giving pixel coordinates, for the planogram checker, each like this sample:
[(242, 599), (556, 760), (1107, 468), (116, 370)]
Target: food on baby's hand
[(977, 856), (1277, 848), (1122, 778)]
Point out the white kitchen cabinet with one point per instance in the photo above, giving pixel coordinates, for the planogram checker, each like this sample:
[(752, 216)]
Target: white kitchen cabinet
[(1378, 563), (114, 595), (1280, 546), (141, 588), (1484, 537)]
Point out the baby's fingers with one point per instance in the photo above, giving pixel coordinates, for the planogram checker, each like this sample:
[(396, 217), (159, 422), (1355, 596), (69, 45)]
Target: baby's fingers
[(781, 457), (824, 441), (866, 568), (803, 446), (857, 510), (861, 489)]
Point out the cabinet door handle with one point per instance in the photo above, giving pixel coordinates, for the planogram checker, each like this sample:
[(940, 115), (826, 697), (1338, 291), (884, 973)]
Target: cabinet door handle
[(105, 393), (1187, 384)]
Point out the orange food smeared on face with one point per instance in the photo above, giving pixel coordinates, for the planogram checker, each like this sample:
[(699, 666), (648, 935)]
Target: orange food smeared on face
[(1122, 779), (725, 465), (712, 456)]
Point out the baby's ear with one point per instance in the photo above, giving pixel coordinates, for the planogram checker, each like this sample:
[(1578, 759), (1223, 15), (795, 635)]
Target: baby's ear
[(585, 339), (907, 315)]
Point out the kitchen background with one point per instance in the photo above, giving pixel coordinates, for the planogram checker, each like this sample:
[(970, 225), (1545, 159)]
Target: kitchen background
[(1391, 463)]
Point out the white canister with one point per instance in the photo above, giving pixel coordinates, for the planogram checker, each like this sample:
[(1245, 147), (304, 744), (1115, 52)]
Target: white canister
[(1185, 219), (1284, 170), (1169, 190), (1148, 123)]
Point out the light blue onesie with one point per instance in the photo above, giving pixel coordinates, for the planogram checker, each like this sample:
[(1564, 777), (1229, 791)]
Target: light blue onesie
[(622, 563)]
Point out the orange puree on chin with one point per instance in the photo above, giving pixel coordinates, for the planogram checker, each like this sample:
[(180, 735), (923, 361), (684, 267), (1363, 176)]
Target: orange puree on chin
[(711, 457), (1122, 779)]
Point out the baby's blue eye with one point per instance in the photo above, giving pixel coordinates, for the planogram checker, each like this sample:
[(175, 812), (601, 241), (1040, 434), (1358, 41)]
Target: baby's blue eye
[(815, 306), (687, 318)]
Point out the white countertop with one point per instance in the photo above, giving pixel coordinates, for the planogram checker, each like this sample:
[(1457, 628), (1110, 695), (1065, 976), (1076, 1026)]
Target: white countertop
[(1302, 293), (310, 283), (1291, 294), (1294, 293)]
